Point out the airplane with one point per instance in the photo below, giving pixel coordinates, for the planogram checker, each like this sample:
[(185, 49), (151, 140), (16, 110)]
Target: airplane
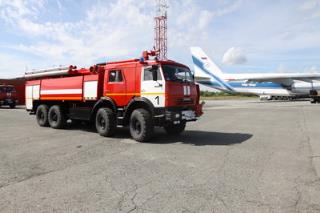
[(266, 85)]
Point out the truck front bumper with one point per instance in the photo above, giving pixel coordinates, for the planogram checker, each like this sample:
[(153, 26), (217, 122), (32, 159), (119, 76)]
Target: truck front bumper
[(8, 102), (178, 116)]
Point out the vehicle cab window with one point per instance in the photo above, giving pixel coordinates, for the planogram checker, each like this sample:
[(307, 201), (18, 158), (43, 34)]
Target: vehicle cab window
[(147, 76), (115, 76), (177, 74), (11, 89)]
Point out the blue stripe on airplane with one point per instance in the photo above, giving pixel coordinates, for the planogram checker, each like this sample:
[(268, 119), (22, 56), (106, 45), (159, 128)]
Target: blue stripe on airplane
[(229, 85), (264, 85), (200, 65), (269, 85)]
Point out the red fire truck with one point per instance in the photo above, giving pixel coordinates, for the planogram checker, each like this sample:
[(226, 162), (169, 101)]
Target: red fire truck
[(139, 93), (8, 96)]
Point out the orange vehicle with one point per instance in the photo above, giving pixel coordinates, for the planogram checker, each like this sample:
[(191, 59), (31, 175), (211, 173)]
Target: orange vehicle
[(8, 96)]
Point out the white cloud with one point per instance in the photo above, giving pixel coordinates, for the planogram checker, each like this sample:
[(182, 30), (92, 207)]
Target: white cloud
[(234, 56), (310, 5), (15, 9), (119, 30), (59, 5), (230, 8), (312, 69), (204, 19), (9, 64), (311, 8), (191, 22), (282, 69), (98, 34)]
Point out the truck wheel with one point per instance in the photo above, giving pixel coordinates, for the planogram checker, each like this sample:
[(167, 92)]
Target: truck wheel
[(175, 129), (106, 122), (56, 117), (141, 125), (42, 115), (12, 106)]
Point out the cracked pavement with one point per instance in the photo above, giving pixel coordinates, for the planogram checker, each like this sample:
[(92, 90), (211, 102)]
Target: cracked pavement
[(242, 156)]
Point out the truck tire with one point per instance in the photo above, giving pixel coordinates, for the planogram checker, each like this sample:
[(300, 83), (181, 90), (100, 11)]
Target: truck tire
[(141, 125), (42, 115), (56, 117), (106, 122), (175, 129)]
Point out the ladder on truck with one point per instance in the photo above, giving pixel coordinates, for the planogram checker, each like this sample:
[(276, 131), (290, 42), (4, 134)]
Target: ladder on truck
[(56, 71)]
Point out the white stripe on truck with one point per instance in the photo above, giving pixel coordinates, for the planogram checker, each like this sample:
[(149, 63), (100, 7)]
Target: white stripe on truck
[(61, 91)]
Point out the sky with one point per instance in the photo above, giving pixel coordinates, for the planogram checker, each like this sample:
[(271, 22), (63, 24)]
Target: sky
[(241, 36)]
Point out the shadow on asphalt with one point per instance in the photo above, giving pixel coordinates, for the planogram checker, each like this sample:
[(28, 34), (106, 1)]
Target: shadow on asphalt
[(192, 137), (202, 138)]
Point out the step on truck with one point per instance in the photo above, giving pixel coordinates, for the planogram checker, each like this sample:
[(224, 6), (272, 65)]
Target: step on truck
[(139, 93)]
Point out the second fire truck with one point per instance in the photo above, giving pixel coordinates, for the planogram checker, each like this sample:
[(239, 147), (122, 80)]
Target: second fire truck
[(8, 96), (139, 93)]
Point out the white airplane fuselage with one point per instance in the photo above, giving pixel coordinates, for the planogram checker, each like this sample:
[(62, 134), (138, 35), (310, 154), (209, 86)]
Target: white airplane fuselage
[(274, 84), (270, 88)]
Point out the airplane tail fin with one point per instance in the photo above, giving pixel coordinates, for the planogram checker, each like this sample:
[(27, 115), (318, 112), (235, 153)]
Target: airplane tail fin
[(205, 68)]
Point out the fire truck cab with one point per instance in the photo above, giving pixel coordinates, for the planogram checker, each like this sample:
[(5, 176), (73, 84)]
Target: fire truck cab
[(138, 93), (8, 96)]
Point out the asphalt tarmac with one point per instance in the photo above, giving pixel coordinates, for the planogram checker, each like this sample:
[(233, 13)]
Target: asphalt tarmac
[(241, 156)]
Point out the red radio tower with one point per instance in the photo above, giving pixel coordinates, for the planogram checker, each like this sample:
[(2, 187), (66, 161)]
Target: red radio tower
[(160, 29)]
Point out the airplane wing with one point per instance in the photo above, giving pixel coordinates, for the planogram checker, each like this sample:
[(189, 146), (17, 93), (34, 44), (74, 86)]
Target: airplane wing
[(202, 78), (281, 78)]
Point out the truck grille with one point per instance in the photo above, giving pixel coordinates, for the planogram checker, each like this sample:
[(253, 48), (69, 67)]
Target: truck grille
[(182, 101)]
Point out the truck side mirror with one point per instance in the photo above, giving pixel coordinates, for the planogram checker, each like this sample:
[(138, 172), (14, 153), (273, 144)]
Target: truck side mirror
[(154, 71), (154, 74)]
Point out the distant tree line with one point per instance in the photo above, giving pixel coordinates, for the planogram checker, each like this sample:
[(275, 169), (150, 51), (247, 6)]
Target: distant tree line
[(217, 94)]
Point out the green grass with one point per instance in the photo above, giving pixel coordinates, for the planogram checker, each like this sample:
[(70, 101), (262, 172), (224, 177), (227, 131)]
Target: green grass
[(229, 97), (206, 95)]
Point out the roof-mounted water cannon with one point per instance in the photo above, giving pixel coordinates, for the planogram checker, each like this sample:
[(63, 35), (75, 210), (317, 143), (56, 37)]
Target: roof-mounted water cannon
[(146, 55)]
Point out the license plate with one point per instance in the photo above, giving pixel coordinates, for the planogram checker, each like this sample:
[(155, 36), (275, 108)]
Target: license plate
[(188, 115)]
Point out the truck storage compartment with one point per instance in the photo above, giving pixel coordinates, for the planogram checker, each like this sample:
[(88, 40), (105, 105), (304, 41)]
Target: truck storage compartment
[(69, 88)]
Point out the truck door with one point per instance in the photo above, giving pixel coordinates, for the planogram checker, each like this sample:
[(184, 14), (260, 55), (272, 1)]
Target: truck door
[(116, 86), (153, 90)]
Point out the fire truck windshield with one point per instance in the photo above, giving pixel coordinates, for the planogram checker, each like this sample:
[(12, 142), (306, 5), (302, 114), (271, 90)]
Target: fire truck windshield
[(5, 89), (177, 74)]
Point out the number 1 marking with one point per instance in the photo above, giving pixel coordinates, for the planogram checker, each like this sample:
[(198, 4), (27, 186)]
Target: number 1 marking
[(158, 100)]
